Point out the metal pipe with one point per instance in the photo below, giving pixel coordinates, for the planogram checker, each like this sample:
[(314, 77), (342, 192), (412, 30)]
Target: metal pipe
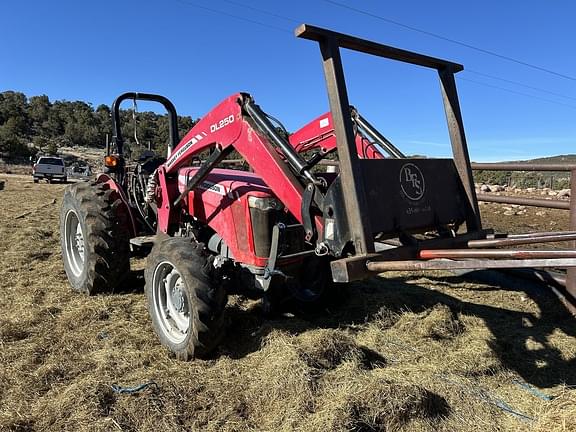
[(293, 158), (522, 167), (529, 235), (571, 274), (533, 202), (378, 137), (412, 265), (520, 241), (499, 253)]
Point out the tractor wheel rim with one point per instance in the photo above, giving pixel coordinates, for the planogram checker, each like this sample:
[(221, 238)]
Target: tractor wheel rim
[(74, 243), (170, 302)]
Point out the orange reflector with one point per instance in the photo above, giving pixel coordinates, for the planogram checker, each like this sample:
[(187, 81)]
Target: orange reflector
[(110, 161)]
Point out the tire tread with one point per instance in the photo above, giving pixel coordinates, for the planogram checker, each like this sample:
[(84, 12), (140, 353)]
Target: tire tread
[(106, 238), (208, 296)]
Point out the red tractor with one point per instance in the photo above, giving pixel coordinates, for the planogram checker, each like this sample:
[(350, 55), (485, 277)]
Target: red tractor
[(285, 227)]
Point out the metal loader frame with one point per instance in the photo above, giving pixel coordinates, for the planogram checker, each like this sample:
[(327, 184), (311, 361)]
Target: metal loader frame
[(452, 252)]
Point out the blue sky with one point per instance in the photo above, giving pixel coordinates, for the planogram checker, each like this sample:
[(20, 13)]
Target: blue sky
[(93, 51)]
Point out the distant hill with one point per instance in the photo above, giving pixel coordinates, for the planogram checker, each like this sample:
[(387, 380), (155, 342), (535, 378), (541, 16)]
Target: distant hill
[(560, 159), (537, 179)]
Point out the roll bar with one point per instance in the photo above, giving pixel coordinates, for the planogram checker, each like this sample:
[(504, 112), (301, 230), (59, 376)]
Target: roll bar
[(117, 139)]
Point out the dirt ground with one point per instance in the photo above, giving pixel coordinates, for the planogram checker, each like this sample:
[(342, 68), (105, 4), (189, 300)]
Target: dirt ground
[(411, 352)]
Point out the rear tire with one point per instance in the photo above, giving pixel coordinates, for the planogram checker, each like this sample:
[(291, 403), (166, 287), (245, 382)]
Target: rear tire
[(313, 290), (94, 237), (185, 301)]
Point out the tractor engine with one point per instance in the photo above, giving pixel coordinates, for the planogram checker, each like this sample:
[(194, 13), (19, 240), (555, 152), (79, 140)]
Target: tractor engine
[(141, 180)]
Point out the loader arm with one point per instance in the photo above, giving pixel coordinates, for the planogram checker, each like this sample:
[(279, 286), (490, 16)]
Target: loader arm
[(233, 124), (319, 135)]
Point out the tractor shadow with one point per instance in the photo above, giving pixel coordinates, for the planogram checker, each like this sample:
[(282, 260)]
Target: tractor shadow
[(543, 367), (133, 284), (514, 330)]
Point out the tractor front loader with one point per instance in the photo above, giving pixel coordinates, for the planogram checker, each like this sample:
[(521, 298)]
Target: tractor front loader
[(284, 229)]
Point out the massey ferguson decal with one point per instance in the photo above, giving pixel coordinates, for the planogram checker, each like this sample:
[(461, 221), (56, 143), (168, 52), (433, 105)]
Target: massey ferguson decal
[(213, 128), (412, 182), (185, 147), (213, 187)]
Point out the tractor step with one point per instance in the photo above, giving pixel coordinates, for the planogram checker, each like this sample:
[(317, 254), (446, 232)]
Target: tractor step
[(143, 241)]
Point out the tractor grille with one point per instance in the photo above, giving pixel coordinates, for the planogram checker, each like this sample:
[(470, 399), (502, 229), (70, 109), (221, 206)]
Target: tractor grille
[(263, 221)]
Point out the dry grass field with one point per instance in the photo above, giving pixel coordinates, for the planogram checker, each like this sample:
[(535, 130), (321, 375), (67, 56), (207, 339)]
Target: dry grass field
[(404, 351)]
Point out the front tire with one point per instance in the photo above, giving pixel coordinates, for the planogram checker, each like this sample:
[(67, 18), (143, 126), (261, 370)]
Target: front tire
[(185, 301), (313, 290), (94, 238)]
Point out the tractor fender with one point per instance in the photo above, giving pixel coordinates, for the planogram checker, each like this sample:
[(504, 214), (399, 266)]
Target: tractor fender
[(105, 178)]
